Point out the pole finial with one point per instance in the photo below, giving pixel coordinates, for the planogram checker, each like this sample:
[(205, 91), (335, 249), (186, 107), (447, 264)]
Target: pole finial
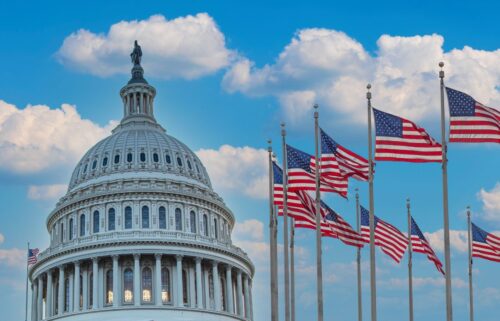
[(408, 202), (283, 130), (316, 106), (441, 72), (270, 145), (368, 93)]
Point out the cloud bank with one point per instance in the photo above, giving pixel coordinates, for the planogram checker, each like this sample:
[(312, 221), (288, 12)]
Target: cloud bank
[(491, 203)]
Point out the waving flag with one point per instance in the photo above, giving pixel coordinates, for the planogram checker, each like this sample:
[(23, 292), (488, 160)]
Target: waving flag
[(398, 139), (420, 244), (485, 245), (33, 256), (341, 229), (471, 121), (293, 198), (338, 161), (389, 238), (301, 177)]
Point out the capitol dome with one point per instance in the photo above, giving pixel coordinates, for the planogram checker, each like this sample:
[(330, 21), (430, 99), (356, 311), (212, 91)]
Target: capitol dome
[(140, 233)]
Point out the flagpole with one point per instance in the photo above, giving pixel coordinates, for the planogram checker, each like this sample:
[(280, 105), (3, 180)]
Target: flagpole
[(319, 266), (373, 285), (26, 299), (272, 240), (410, 263), (292, 269), (358, 261), (285, 224), (471, 292), (447, 258)]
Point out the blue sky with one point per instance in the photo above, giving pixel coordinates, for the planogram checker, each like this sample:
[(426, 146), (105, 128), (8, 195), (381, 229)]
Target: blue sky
[(240, 69)]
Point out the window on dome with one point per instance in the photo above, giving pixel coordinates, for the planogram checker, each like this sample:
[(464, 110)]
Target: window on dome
[(162, 217), (145, 217), (216, 228), (95, 228), (192, 221), (147, 285), (104, 162), (156, 159), (90, 287), (129, 158), (165, 285), (117, 158), (70, 234), (128, 285), (66, 294), (178, 219), (111, 219), (142, 157), (128, 217), (205, 224), (168, 159), (185, 294), (197, 168), (189, 165), (82, 225), (94, 164), (109, 287), (179, 161), (61, 232), (85, 168)]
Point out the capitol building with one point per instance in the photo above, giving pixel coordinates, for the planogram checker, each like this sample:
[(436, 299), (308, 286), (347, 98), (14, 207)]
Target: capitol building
[(140, 234)]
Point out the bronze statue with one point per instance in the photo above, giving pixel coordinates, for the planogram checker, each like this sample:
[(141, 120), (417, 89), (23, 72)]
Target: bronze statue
[(136, 54)]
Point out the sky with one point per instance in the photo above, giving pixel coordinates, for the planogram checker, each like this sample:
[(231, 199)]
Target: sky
[(227, 74)]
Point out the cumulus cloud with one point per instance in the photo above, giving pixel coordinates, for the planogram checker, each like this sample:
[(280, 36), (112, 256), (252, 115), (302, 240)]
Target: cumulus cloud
[(237, 169), (491, 202), (35, 138), (187, 47), (11, 257), (249, 235), (249, 229), (458, 240), (331, 68), (46, 192)]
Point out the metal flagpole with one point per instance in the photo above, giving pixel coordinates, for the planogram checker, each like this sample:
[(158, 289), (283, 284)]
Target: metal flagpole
[(26, 299), (410, 257), (358, 261), (292, 269), (319, 267), (285, 225), (373, 285), (447, 259), (272, 240), (471, 292)]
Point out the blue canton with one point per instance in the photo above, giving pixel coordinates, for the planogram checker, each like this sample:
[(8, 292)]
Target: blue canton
[(365, 217), (277, 174), (387, 124), (332, 215), (415, 230), (478, 234), (298, 159), (328, 145), (460, 104)]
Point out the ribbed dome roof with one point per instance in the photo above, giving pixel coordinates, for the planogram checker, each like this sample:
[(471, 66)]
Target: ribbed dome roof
[(139, 149)]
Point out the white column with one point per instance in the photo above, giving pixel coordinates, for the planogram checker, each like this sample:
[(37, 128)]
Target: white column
[(250, 300), (49, 306), (216, 279), (229, 290), (70, 294), (246, 288), (180, 292), (157, 289), (76, 287), (60, 302), (34, 289), (207, 290), (116, 298), (137, 284), (95, 278), (85, 289), (39, 298), (239, 293), (192, 291), (199, 289)]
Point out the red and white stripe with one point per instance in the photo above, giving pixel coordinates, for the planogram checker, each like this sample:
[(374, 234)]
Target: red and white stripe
[(330, 175), (344, 232), (388, 238), (489, 250), (422, 246), (483, 127)]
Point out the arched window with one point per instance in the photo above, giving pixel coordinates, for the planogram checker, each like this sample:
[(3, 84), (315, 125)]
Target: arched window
[(145, 217), (178, 219), (117, 158), (192, 221), (82, 225), (162, 217), (66, 294), (142, 157), (70, 234), (165, 285), (104, 162), (109, 287), (216, 228), (111, 219), (156, 159), (61, 232), (189, 165), (185, 294), (197, 168), (129, 158), (95, 223), (128, 285), (85, 168), (128, 217), (179, 161), (205, 224), (168, 159), (94, 164), (147, 284)]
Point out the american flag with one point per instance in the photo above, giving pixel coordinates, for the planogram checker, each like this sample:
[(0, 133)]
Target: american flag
[(471, 121), (33, 256), (485, 245), (337, 160), (420, 244), (398, 139), (305, 213), (301, 177), (293, 198), (389, 238), (341, 229)]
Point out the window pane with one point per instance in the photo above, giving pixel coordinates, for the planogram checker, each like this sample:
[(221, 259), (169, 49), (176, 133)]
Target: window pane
[(179, 161), (184, 287), (82, 225), (147, 284), (192, 218), (216, 229), (145, 217), (111, 219), (155, 158), (168, 159), (104, 161), (96, 222), (205, 224), (128, 285), (162, 217), (178, 219), (109, 287), (117, 159), (189, 165), (165, 285), (128, 217), (70, 236), (129, 157), (94, 164), (143, 157)]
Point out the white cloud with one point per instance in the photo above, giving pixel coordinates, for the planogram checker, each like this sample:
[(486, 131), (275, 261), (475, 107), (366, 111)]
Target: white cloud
[(249, 235), (35, 138), (46, 192), (2, 238), (491, 202), (187, 47), (425, 281), (332, 69), (249, 229), (13, 257), (458, 240), (238, 169)]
